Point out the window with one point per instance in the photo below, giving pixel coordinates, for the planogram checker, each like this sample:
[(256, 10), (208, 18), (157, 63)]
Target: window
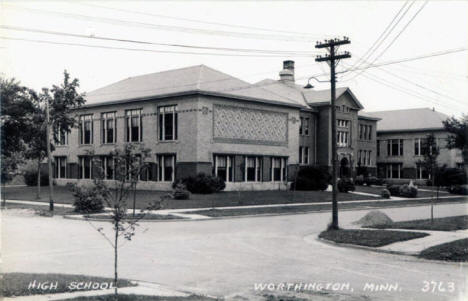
[(60, 167), (395, 147), (301, 126), (86, 129), (394, 170), (167, 123), (224, 167), (378, 148), (306, 126), (369, 161), (60, 137), (421, 147), (303, 155), (278, 169), (253, 169), (369, 132), (421, 172), (108, 167), (108, 126), (166, 167), (134, 125), (85, 167), (342, 138), (343, 123)]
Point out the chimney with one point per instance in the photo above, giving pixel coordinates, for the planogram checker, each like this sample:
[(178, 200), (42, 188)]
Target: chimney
[(287, 74)]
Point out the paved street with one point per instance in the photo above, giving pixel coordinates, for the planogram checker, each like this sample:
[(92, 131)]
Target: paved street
[(227, 257)]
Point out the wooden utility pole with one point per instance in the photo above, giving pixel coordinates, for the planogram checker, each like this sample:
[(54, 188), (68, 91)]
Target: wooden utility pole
[(332, 59), (49, 159)]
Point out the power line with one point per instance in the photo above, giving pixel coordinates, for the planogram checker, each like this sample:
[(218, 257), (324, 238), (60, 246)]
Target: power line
[(384, 34), (303, 34), (189, 30), (60, 33), (145, 50), (396, 37)]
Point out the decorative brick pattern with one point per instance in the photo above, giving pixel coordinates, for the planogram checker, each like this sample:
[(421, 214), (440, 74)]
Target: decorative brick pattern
[(246, 125)]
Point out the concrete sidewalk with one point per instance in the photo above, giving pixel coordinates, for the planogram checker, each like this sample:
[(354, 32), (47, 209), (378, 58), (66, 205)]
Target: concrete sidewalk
[(187, 212)]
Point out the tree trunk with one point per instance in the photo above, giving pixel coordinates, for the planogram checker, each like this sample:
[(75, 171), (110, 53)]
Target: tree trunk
[(38, 195), (465, 159), (134, 199), (116, 247)]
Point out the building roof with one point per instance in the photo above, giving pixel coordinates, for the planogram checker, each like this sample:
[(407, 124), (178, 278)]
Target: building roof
[(190, 80), (306, 97), (409, 120)]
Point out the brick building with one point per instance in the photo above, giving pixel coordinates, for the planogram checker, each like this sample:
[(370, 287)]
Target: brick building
[(198, 119), (401, 138)]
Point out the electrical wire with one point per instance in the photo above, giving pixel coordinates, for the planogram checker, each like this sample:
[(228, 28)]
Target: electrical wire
[(165, 27), (60, 33)]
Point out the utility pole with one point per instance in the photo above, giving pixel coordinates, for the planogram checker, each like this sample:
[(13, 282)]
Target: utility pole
[(332, 59), (49, 158)]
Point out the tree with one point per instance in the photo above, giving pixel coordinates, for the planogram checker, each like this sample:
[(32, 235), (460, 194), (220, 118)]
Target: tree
[(430, 151), (458, 138), (17, 108), (60, 102), (128, 164)]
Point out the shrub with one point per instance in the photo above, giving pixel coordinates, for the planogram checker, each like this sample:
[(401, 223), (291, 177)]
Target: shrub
[(359, 180), (30, 178), (362, 170), (373, 181), (87, 199), (445, 176), (202, 183), (408, 191), (311, 178), (394, 190), (345, 185), (385, 193), (181, 192), (458, 189)]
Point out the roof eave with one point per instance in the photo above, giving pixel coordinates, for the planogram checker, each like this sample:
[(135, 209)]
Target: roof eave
[(441, 129)]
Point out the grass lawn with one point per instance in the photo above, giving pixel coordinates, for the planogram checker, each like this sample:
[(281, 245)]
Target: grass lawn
[(451, 223), (312, 208), (369, 238), (452, 251), (18, 284), (140, 298), (41, 209), (224, 198), (421, 194), (146, 217)]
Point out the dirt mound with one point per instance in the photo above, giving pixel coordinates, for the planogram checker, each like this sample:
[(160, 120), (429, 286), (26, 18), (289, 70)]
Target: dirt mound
[(373, 218)]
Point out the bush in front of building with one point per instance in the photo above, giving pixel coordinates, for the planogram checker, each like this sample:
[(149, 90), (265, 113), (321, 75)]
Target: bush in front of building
[(407, 191), (458, 189), (311, 178), (345, 185), (394, 190), (202, 183), (385, 193), (181, 192), (87, 199), (371, 180), (30, 177)]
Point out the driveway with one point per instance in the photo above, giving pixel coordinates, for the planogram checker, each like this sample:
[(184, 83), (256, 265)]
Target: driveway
[(228, 257)]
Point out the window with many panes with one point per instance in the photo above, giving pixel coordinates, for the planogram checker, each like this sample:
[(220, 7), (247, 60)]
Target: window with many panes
[(60, 137), (167, 123), (166, 167), (86, 129), (394, 170), (134, 125), (306, 126), (107, 165), (342, 138), (108, 128), (378, 148), (60, 167), (278, 169), (395, 147), (303, 155), (301, 126), (253, 168), (85, 167), (223, 167)]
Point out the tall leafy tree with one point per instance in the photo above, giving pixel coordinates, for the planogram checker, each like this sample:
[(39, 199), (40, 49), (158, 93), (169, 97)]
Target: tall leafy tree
[(458, 138)]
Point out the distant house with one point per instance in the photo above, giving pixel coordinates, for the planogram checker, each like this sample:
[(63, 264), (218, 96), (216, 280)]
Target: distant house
[(197, 119), (400, 142)]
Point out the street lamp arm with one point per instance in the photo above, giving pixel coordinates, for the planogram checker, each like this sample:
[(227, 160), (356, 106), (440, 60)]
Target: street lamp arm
[(309, 85)]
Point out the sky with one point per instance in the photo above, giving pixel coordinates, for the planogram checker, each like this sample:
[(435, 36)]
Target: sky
[(285, 30)]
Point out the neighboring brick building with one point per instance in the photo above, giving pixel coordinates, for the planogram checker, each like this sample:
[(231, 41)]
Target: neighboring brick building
[(197, 119), (400, 142)]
